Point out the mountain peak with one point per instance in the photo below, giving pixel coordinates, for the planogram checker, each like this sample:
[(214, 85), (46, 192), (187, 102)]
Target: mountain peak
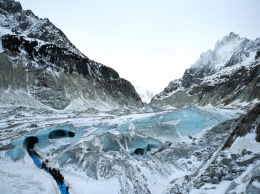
[(232, 35), (224, 49), (230, 38)]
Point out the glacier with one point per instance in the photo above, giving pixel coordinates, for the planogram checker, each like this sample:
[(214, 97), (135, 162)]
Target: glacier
[(136, 134), (132, 151)]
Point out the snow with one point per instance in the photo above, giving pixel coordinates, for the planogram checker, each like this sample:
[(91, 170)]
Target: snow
[(145, 94), (248, 142), (82, 184), (256, 184), (23, 177)]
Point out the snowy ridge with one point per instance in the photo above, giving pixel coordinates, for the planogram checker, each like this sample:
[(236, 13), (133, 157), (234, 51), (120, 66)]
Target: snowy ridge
[(233, 59), (223, 51)]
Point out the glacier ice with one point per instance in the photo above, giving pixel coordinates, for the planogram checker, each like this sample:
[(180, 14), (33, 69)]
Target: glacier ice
[(41, 139), (173, 124), (16, 153), (108, 146), (135, 145), (139, 137)]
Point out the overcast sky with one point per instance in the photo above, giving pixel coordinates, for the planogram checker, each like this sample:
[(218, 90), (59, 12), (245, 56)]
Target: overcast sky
[(149, 42)]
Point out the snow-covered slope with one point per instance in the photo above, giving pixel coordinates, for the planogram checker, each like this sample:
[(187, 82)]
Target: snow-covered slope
[(37, 58), (145, 94), (230, 73)]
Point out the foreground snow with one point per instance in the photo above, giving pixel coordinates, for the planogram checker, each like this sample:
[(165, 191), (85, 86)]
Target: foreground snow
[(24, 177)]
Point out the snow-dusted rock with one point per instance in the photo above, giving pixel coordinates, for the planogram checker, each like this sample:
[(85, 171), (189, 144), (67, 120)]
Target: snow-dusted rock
[(225, 75), (227, 161), (206, 179), (229, 177), (244, 161)]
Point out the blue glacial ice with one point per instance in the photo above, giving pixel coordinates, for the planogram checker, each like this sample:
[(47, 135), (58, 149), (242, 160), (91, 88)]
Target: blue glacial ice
[(16, 153), (135, 145), (42, 139), (174, 124), (139, 137)]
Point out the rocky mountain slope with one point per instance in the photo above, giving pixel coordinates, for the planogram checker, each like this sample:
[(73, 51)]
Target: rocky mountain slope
[(230, 73), (38, 59)]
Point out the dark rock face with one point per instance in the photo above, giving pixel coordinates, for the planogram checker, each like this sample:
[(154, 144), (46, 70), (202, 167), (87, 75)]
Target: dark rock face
[(258, 132), (10, 6), (56, 74), (257, 54), (244, 125)]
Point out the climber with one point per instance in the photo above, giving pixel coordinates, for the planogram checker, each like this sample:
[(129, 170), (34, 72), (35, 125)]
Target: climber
[(43, 165)]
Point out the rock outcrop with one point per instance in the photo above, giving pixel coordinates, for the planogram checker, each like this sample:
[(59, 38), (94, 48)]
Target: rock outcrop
[(245, 125)]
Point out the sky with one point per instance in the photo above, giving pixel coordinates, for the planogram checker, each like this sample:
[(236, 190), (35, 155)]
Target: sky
[(149, 42)]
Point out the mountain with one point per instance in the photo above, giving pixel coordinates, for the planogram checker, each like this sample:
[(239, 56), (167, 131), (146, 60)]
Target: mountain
[(145, 94), (39, 63), (227, 75)]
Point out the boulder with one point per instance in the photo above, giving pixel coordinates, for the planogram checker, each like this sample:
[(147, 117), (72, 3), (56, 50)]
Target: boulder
[(218, 174), (226, 161), (249, 152), (215, 180), (229, 177), (198, 186), (206, 179), (247, 161), (235, 156), (34, 125), (244, 152)]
